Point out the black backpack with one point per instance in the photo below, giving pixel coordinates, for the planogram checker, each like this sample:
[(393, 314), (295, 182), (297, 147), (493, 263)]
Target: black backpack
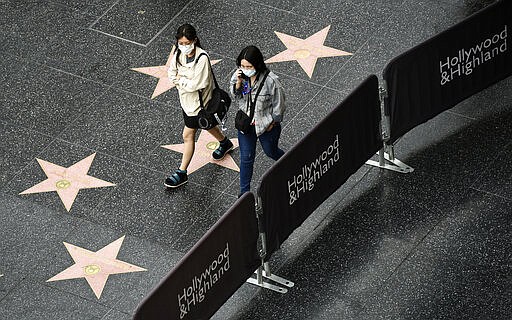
[(216, 109)]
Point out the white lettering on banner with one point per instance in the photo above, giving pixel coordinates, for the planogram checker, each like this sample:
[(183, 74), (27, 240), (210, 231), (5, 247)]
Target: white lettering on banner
[(466, 60), (201, 284), (310, 174)]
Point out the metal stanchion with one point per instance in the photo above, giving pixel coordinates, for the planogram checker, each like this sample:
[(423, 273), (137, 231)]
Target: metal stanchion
[(387, 158), (263, 271)]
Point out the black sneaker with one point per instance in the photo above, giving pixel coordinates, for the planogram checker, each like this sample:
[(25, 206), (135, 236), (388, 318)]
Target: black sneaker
[(176, 179), (224, 147)]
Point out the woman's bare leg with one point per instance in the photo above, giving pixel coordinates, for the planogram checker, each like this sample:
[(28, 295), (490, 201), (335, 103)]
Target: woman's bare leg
[(189, 136), (217, 133)]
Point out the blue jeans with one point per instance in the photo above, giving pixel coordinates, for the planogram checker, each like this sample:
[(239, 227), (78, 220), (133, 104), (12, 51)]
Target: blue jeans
[(247, 143)]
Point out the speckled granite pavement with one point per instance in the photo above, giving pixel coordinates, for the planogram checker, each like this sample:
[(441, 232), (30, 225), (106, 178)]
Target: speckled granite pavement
[(86, 111)]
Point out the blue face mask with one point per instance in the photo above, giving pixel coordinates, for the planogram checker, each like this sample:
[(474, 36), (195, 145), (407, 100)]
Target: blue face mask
[(249, 72)]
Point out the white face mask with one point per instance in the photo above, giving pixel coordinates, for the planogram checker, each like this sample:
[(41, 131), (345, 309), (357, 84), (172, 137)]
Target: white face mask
[(249, 72), (186, 49)]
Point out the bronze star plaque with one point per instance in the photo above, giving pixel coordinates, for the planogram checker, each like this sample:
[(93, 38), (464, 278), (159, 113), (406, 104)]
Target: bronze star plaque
[(306, 51), (203, 153), (161, 72), (95, 267), (67, 181)]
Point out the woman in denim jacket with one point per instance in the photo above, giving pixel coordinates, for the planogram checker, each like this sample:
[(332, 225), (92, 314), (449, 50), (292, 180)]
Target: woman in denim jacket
[(268, 114)]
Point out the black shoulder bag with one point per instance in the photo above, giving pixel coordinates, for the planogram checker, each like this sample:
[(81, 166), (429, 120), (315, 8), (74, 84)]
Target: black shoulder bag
[(216, 109), (242, 120)]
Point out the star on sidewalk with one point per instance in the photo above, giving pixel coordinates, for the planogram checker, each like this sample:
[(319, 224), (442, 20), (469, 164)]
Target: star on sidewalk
[(306, 51), (95, 267), (67, 181), (203, 153), (160, 72)]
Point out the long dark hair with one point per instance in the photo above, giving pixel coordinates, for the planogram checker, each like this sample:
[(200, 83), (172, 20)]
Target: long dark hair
[(254, 56), (188, 31)]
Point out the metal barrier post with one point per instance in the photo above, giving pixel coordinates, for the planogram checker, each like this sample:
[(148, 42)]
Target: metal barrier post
[(387, 158), (260, 275)]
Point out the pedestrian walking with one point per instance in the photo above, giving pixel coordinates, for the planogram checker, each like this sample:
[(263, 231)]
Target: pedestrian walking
[(261, 102), (191, 72)]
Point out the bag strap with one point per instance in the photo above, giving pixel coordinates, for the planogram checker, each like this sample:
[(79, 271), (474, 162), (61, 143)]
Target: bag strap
[(211, 69), (213, 74), (252, 106)]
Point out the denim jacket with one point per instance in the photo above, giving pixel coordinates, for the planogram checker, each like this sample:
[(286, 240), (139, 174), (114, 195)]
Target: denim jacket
[(270, 105)]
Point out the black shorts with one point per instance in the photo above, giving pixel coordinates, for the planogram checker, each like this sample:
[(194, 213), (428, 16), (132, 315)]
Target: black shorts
[(190, 121), (193, 121)]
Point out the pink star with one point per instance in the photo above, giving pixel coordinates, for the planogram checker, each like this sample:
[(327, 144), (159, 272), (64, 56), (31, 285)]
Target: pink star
[(203, 153), (306, 51), (67, 181), (95, 267), (160, 72)]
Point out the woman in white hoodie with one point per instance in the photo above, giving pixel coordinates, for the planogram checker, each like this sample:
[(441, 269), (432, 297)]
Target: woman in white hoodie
[(192, 75)]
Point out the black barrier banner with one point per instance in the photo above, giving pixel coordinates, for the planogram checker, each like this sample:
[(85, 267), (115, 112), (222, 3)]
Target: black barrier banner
[(320, 163), (218, 264), (448, 68)]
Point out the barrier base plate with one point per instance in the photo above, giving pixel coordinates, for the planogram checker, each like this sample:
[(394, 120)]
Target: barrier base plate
[(394, 165), (279, 280), (267, 285)]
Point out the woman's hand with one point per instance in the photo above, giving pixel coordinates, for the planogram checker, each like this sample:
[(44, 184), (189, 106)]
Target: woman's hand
[(239, 78), (176, 79), (271, 126)]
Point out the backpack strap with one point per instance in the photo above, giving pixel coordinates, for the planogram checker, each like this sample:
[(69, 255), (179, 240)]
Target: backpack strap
[(213, 74)]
